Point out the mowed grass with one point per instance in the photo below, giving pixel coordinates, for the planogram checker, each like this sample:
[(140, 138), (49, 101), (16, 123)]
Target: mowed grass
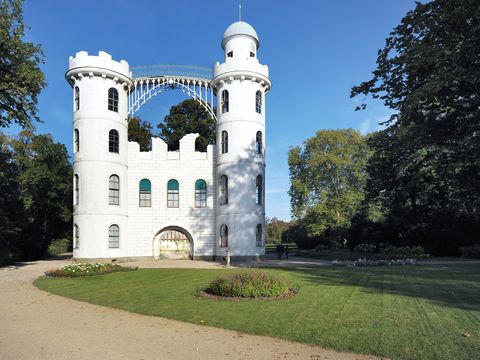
[(411, 312)]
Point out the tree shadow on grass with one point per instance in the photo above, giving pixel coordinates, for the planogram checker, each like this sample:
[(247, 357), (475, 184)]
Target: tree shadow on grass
[(455, 286)]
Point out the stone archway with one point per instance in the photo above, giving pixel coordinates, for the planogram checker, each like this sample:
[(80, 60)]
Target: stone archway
[(173, 242)]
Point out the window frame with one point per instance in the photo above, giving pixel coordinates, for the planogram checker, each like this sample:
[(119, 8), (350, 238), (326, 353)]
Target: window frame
[(76, 190), (113, 141), (200, 194), (173, 195), (114, 240), (223, 236), (76, 140), (259, 143), (225, 101), (76, 98), (223, 196), (258, 102), (259, 190), (144, 196), (259, 235), (114, 190), (76, 236), (224, 142), (112, 100)]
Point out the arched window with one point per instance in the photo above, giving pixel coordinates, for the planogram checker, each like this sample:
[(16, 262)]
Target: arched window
[(113, 141), (172, 193), (76, 237), (76, 140), (224, 235), (224, 142), (223, 190), (113, 237), (145, 193), (76, 187), (200, 194), (113, 99), (259, 143), (225, 101), (114, 190), (76, 99), (259, 190), (258, 102), (258, 235)]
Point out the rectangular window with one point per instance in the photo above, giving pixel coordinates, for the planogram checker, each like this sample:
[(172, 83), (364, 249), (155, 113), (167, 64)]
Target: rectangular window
[(145, 199), (172, 199), (230, 54), (200, 198), (114, 237)]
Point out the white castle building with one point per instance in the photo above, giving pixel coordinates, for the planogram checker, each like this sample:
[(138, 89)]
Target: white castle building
[(130, 204)]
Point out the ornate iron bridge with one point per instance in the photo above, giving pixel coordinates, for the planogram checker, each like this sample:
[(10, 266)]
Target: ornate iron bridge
[(151, 80)]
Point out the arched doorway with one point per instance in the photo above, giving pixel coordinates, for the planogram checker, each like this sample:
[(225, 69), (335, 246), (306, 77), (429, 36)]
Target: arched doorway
[(173, 242)]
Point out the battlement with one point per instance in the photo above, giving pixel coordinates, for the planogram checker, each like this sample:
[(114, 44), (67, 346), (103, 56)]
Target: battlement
[(160, 150), (102, 61)]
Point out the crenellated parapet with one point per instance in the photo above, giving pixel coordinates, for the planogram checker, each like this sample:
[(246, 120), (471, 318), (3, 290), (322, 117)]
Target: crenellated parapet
[(85, 65), (160, 151), (249, 69)]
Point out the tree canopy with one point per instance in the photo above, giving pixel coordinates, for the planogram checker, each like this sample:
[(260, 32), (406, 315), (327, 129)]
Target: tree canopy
[(21, 78), (327, 177), (140, 131), (425, 167), (185, 118)]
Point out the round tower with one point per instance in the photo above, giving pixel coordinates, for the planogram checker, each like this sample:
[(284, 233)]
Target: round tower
[(240, 83), (100, 112)]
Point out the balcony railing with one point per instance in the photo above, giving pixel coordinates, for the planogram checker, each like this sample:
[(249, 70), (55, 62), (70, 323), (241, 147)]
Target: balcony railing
[(167, 70)]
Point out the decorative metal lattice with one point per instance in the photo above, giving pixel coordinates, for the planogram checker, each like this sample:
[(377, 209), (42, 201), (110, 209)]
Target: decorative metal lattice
[(151, 80)]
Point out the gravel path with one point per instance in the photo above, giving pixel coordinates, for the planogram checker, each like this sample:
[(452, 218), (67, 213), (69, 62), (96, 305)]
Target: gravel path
[(39, 325)]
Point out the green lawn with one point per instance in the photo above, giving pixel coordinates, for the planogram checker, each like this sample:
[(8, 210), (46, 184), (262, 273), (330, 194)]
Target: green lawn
[(411, 312)]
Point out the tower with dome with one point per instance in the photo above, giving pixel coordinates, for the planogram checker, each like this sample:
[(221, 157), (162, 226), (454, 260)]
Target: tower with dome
[(130, 204)]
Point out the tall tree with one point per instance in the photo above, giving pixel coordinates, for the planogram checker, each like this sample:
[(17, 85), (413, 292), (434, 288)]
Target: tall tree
[(185, 118), (21, 78), (11, 207), (45, 182), (327, 177), (140, 131), (426, 165)]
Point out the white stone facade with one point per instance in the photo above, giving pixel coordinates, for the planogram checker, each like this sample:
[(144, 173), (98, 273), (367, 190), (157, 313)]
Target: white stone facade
[(110, 220)]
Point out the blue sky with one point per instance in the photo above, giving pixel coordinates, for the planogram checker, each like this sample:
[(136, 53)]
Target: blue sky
[(316, 51)]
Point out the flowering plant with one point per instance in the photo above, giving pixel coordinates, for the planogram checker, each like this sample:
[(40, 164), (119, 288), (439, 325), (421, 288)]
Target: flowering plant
[(86, 269)]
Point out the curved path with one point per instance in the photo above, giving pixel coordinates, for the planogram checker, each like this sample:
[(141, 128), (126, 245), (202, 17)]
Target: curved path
[(39, 325)]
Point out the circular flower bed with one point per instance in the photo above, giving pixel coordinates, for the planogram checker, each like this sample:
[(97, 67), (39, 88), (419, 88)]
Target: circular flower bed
[(86, 269), (250, 285)]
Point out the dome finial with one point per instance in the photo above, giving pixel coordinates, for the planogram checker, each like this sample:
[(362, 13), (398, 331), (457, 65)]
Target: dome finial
[(239, 11)]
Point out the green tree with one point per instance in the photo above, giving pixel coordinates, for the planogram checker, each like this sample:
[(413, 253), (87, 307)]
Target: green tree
[(21, 78), (426, 166), (275, 230), (327, 177), (11, 207), (185, 118), (140, 131), (45, 182)]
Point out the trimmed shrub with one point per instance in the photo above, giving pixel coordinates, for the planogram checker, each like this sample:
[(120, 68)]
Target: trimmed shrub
[(86, 269), (251, 284)]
